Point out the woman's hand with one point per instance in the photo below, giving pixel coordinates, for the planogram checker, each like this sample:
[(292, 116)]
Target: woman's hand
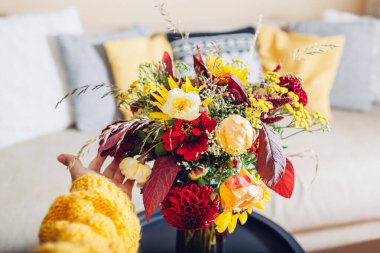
[(112, 172)]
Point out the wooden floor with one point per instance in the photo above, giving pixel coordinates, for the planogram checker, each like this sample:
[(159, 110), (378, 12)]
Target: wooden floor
[(365, 247)]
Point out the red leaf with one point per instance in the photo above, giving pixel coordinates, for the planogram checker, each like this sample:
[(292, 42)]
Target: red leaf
[(199, 68), (118, 138), (271, 120), (164, 172), (285, 186), (168, 63), (235, 84), (271, 160)]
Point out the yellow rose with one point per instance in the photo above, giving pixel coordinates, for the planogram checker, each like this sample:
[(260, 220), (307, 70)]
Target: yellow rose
[(182, 105), (235, 134), (134, 170)]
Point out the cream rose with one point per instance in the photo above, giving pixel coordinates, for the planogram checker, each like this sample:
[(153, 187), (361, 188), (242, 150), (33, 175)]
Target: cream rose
[(235, 134), (134, 170), (182, 105)]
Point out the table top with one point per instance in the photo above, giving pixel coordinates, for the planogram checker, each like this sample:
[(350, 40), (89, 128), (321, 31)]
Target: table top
[(258, 235)]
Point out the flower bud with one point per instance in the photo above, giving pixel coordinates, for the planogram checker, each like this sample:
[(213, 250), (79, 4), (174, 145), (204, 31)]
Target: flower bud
[(135, 170)]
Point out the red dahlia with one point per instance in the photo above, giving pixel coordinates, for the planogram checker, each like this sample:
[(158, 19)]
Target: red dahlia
[(294, 84), (189, 137), (190, 207)]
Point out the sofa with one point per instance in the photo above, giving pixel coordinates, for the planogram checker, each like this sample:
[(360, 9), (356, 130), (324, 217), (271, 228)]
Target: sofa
[(336, 200)]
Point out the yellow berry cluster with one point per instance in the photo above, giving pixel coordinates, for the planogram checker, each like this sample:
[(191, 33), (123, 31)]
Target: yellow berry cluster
[(258, 106), (320, 119), (272, 77), (145, 88), (276, 89), (302, 117)]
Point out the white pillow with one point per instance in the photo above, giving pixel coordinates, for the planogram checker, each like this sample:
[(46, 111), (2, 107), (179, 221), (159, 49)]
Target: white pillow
[(338, 16), (31, 78)]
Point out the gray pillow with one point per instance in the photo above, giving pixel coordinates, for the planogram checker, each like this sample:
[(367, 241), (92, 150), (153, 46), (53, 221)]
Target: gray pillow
[(233, 44), (352, 87), (86, 64)]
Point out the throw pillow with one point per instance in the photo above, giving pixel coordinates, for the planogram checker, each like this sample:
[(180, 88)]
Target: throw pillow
[(86, 64), (338, 16), (233, 44), (317, 71), (352, 88), (31, 80), (125, 56)]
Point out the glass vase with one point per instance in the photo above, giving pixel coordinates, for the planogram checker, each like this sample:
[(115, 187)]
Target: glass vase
[(206, 240)]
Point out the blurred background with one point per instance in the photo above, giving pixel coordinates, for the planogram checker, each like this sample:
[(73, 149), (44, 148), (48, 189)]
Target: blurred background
[(48, 48)]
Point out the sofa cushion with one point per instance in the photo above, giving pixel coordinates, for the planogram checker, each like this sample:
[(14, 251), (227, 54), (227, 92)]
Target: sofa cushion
[(31, 80), (339, 16), (31, 178), (234, 45), (352, 87), (345, 191), (86, 64), (125, 57), (317, 71)]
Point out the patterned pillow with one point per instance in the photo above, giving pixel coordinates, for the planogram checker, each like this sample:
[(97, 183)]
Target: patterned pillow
[(234, 44)]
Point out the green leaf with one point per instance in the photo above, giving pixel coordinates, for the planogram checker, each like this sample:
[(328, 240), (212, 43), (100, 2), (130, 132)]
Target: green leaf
[(160, 150)]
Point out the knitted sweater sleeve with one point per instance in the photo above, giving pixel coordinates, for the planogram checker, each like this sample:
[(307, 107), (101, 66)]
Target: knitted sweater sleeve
[(96, 216)]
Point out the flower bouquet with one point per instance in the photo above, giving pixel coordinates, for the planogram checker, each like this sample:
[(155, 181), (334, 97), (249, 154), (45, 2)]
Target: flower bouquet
[(207, 147)]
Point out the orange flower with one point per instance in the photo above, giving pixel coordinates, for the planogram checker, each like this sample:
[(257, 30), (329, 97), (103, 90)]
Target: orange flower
[(241, 192)]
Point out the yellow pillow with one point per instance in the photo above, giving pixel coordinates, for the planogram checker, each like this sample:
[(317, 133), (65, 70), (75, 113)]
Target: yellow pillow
[(125, 56), (317, 71)]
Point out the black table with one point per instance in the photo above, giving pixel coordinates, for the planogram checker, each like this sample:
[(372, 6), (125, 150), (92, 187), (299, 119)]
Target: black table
[(258, 235)]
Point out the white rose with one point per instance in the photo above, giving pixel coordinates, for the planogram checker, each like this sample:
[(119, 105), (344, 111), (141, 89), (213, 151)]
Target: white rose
[(134, 170), (182, 105)]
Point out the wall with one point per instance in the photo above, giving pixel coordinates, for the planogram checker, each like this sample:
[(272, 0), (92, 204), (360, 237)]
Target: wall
[(373, 7), (101, 15)]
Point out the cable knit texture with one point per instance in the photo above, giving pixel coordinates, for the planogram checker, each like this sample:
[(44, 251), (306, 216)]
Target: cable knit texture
[(95, 217)]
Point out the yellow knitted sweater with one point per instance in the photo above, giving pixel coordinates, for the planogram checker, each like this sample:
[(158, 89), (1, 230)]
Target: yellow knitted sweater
[(96, 216)]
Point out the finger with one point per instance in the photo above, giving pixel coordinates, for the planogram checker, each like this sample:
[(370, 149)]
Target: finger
[(97, 163), (127, 187), (112, 168), (118, 177)]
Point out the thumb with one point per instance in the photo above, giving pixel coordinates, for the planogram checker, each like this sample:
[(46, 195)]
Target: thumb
[(67, 160), (75, 166)]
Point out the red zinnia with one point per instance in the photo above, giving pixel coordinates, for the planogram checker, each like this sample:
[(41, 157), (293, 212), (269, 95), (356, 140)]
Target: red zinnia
[(294, 84), (189, 136), (190, 207)]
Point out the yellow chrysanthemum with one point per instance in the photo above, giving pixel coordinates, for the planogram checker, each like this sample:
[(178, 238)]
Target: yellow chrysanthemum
[(218, 68)]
